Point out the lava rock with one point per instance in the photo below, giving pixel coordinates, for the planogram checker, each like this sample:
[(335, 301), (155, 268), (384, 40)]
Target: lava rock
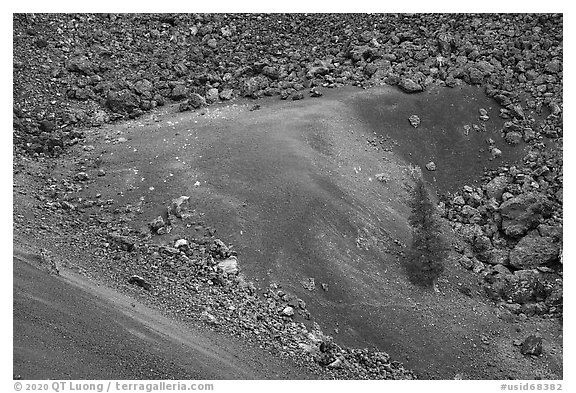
[(219, 249), (532, 345), (524, 212), (80, 64), (288, 311), (181, 243), (513, 137), (496, 187), (156, 224), (532, 251), (466, 262), (212, 95), (143, 87), (229, 265), (82, 176), (409, 86), (48, 262), (47, 126), (250, 87), (414, 121), (184, 106), (123, 101), (314, 92), (177, 206), (271, 72), (196, 101), (139, 281), (179, 92), (297, 96), (226, 94), (553, 67)]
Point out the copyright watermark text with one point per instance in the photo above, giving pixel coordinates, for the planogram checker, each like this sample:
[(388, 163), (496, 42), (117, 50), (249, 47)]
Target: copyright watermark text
[(110, 386)]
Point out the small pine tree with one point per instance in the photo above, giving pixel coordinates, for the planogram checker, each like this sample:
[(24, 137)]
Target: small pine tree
[(424, 260)]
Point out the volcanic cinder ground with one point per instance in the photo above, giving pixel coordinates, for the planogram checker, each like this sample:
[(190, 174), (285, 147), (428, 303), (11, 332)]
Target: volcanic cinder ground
[(293, 186)]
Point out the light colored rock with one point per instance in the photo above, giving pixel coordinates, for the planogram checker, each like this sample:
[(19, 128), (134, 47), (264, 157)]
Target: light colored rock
[(309, 284), (336, 363), (82, 176), (288, 311), (212, 95), (209, 318), (466, 262), (226, 94), (409, 86), (382, 177), (229, 265), (414, 121), (496, 187), (459, 200), (176, 206), (196, 101), (181, 243), (478, 266), (156, 224)]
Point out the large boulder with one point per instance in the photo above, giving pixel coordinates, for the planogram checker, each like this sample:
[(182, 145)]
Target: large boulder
[(144, 87), (532, 345), (226, 94), (496, 187), (362, 52), (123, 101), (499, 257), (229, 265), (81, 65), (179, 92), (250, 87), (524, 212), (378, 69), (212, 95), (271, 72), (196, 100), (524, 286), (178, 206), (319, 67), (409, 86), (533, 251)]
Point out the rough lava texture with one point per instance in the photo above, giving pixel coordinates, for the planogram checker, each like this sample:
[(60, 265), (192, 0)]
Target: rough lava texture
[(73, 71)]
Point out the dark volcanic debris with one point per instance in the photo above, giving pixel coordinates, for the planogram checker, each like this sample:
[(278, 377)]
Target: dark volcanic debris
[(73, 71), (87, 69)]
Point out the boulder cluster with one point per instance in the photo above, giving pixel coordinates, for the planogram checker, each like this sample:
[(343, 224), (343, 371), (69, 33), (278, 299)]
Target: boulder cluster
[(511, 231), (73, 70)]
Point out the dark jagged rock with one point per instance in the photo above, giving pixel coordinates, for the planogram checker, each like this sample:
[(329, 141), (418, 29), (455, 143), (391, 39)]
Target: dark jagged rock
[(533, 251), (123, 101), (532, 345), (139, 281), (524, 212)]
